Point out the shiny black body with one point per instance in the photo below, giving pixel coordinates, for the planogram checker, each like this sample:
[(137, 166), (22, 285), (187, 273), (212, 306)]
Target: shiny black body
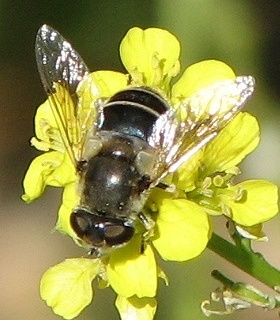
[(117, 158), (111, 181)]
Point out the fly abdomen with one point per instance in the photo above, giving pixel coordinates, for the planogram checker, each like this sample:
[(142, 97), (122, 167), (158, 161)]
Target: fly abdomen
[(133, 112)]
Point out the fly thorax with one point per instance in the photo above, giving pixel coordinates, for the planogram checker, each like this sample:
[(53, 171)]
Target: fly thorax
[(111, 178)]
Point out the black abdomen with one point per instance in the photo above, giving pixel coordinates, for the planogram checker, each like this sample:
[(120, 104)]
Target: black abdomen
[(133, 112)]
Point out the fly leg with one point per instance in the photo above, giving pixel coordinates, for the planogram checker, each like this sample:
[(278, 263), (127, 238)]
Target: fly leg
[(149, 225)]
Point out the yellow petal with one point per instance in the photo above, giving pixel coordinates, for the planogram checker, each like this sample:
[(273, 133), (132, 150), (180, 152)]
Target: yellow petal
[(240, 137), (60, 107), (185, 178), (258, 202), (200, 75), (131, 272), (183, 230), (136, 308), (67, 287), (101, 84), (38, 173), (150, 55), (69, 202), (44, 119), (52, 168), (63, 174)]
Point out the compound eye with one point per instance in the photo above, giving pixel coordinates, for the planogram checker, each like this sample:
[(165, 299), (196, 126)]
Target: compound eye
[(86, 228), (100, 231), (117, 234)]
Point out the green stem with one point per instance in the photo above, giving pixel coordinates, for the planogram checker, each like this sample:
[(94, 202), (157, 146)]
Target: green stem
[(222, 278), (252, 263)]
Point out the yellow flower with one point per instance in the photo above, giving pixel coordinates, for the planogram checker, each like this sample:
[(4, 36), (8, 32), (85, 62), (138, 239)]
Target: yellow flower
[(136, 308), (182, 219), (67, 288), (247, 203)]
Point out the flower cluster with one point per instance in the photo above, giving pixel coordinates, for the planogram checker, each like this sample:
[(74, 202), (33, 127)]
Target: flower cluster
[(204, 186)]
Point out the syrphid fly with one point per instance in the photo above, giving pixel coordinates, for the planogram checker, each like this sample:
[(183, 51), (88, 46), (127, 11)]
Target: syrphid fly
[(122, 146)]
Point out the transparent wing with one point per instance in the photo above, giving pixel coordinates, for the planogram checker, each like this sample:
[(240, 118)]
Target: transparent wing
[(180, 133), (62, 70)]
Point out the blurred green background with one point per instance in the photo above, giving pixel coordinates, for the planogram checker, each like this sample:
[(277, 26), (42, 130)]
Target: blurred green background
[(244, 34)]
